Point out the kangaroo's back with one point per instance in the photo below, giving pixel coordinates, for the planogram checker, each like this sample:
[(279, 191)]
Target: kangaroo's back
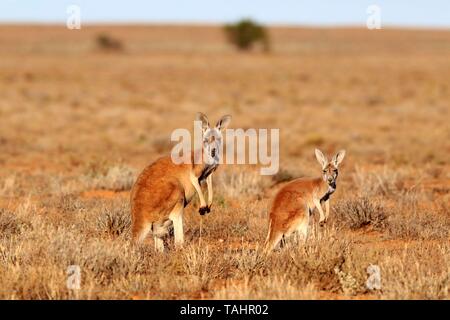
[(157, 178), (290, 204), (156, 192)]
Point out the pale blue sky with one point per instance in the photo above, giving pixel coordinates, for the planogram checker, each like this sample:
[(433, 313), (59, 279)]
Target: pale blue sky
[(409, 13)]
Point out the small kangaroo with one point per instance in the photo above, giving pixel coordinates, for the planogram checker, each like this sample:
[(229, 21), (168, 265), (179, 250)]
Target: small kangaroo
[(294, 203), (164, 188)]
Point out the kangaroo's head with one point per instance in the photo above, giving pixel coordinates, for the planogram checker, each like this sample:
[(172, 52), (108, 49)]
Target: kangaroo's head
[(212, 137), (330, 168)]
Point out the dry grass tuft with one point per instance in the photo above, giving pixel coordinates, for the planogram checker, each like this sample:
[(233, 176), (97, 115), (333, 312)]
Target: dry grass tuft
[(12, 224), (115, 221), (241, 182), (8, 186), (359, 213), (116, 178), (385, 182), (419, 225)]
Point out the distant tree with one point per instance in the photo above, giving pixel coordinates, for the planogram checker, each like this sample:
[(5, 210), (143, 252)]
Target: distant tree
[(106, 42), (245, 33)]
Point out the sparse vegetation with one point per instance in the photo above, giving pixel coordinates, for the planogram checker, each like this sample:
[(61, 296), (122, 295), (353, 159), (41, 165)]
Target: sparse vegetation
[(385, 182), (360, 212), (241, 181), (11, 223), (115, 220), (98, 240), (116, 178), (419, 225)]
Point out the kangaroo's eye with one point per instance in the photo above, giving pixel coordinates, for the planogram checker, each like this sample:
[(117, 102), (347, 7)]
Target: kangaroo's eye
[(324, 171), (335, 171)]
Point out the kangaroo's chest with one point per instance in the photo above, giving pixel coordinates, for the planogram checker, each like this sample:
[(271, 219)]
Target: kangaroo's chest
[(207, 170), (327, 194), (189, 191)]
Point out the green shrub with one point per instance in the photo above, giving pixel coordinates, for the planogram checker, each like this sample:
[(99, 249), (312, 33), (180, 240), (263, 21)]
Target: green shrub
[(245, 33)]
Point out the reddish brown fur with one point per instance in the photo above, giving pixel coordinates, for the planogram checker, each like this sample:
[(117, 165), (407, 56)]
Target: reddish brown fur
[(164, 188), (291, 205), (158, 189)]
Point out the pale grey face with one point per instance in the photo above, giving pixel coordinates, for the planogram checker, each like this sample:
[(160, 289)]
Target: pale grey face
[(330, 168), (212, 137), (330, 174), (212, 145)]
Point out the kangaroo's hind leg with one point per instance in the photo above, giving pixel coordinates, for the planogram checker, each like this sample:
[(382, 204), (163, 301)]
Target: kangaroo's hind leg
[(272, 241), (140, 231), (302, 227), (176, 215), (160, 230)]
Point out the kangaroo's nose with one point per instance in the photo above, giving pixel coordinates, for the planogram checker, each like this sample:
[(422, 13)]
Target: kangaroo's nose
[(330, 179)]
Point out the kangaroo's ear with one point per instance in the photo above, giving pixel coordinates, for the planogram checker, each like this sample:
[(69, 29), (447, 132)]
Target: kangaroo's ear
[(223, 123), (337, 159), (321, 158), (204, 120)]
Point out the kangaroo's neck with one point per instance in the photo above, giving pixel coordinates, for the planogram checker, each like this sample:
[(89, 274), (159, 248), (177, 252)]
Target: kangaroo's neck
[(207, 170), (201, 169), (328, 191)]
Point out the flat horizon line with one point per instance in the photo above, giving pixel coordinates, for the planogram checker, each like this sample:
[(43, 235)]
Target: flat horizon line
[(218, 24)]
